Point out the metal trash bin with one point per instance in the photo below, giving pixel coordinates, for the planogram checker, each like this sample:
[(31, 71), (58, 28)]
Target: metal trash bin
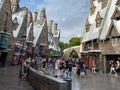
[(69, 83)]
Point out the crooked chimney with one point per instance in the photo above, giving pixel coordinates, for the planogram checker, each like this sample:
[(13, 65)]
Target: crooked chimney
[(35, 17), (42, 16), (50, 26)]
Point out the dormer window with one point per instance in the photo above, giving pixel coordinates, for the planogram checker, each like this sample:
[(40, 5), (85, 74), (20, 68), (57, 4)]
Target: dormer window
[(104, 3), (87, 26), (92, 9), (118, 3), (98, 20)]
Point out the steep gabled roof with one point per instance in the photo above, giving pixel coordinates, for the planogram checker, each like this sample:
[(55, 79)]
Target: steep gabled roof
[(108, 20), (28, 29), (114, 27), (93, 33), (20, 15), (116, 13), (37, 31), (117, 25)]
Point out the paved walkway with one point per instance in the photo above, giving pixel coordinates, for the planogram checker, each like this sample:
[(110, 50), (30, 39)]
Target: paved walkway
[(9, 79), (95, 82)]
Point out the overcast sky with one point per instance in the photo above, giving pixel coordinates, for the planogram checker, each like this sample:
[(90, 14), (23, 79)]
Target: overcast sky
[(70, 15)]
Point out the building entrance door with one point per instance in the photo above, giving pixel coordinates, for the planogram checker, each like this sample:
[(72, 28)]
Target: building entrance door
[(3, 59)]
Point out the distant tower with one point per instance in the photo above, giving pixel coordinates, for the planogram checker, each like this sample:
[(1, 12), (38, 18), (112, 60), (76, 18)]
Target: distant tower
[(35, 17), (42, 16), (14, 5)]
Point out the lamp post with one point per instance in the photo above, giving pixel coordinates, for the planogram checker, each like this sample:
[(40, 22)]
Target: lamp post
[(23, 41)]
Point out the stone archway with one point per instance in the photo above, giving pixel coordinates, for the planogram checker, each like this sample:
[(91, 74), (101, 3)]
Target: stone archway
[(68, 51), (73, 54)]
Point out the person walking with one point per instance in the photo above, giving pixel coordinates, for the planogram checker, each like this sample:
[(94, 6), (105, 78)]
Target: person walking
[(117, 68), (38, 62), (26, 64), (93, 67), (112, 67)]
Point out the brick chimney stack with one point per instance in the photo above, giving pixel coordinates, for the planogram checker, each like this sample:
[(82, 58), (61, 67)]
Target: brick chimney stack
[(35, 17)]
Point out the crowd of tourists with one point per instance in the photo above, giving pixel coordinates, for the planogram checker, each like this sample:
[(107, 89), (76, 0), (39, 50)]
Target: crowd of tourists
[(63, 67)]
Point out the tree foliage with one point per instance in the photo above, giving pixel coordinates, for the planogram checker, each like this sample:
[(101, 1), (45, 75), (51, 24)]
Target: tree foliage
[(75, 41)]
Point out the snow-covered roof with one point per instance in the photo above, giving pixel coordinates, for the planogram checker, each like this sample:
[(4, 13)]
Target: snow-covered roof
[(20, 15), (28, 29), (117, 24), (93, 33), (108, 20), (1, 3), (52, 44), (37, 31)]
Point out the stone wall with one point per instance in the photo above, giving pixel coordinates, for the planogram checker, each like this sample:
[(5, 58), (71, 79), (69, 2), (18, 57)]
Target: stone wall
[(40, 81)]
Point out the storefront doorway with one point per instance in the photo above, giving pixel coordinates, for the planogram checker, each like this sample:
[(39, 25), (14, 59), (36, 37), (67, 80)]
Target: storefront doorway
[(3, 59)]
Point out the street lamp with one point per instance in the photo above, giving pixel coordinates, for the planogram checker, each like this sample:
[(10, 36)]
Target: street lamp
[(23, 41)]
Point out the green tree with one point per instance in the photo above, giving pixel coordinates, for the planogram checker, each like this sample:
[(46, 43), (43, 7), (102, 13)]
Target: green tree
[(75, 41)]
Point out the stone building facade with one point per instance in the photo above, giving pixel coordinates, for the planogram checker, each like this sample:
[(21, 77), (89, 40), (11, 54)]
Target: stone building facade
[(27, 35), (101, 37), (53, 39), (5, 30)]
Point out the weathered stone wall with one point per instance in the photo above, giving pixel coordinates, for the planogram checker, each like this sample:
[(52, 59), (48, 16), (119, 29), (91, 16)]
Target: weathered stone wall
[(41, 81), (107, 48), (6, 8)]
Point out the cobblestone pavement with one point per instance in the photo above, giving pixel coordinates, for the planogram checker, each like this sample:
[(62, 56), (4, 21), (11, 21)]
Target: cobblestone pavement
[(9, 79)]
